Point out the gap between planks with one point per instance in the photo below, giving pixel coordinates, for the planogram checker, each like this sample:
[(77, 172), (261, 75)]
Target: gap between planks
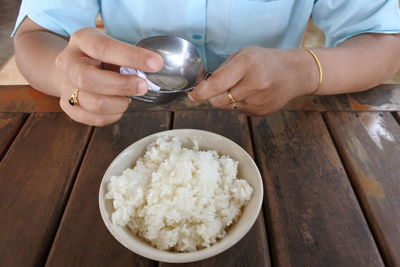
[(14, 136), (396, 116), (267, 215)]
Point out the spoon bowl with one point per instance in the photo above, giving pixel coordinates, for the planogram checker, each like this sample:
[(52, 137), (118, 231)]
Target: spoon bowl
[(183, 68)]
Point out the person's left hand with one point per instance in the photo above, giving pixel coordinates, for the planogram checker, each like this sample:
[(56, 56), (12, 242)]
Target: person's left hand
[(261, 80)]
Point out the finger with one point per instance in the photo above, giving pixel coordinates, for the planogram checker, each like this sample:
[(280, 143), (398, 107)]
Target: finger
[(223, 101), (230, 107), (101, 104), (223, 98), (226, 107), (78, 114), (242, 91), (85, 76), (222, 80), (260, 105), (247, 113), (98, 45), (245, 109)]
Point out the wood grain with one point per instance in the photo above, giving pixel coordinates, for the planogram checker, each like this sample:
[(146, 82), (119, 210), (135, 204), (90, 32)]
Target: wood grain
[(380, 98), (82, 238), (36, 176), (10, 124), (312, 213), (370, 148), (252, 250), (22, 98)]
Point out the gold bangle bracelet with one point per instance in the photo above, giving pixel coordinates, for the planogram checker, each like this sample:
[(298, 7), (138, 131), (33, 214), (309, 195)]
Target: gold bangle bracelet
[(321, 73)]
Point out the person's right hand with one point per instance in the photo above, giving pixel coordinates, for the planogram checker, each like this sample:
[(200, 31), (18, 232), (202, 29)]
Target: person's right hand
[(102, 93)]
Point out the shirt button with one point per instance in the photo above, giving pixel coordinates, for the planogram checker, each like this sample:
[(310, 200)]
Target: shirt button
[(197, 36)]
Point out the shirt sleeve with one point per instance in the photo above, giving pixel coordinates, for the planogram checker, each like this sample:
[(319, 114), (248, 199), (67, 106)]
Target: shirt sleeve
[(342, 19), (63, 17)]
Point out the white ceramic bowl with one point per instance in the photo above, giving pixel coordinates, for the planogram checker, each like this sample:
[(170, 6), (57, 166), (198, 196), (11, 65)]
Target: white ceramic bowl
[(206, 140)]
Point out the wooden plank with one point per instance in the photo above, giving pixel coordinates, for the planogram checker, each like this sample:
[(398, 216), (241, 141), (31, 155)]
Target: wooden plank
[(252, 250), (381, 98), (10, 74), (10, 124), (36, 176), (22, 98), (82, 238), (368, 142), (312, 213)]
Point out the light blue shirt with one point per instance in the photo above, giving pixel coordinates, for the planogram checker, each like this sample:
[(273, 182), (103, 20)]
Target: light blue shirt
[(218, 27)]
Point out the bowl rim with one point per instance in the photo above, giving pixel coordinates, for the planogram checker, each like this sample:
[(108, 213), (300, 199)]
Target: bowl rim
[(181, 257)]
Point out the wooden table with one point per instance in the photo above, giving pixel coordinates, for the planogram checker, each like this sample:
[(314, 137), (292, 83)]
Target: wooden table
[(331, 170)]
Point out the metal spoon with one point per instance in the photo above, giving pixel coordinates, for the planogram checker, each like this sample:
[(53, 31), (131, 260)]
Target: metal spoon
[(183, 66)]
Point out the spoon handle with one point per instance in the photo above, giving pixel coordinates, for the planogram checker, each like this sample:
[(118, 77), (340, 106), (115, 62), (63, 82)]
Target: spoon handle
[(207, 75)]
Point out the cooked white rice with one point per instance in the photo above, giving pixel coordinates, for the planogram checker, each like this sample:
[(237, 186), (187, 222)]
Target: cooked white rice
[(178, 198)]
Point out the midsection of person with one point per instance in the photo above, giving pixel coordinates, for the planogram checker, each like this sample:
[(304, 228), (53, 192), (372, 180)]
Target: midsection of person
[(217, 27)]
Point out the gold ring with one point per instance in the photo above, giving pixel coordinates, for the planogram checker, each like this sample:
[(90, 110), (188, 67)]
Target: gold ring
[(233, 102), (73, 100)]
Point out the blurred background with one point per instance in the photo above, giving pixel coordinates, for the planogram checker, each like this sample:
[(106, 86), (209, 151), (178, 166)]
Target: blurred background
[(9, 73)]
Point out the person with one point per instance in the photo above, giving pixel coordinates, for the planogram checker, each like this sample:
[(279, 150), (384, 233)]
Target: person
[(251, 46)]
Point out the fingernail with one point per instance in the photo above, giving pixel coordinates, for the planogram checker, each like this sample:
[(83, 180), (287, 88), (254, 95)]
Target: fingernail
[(153, 63), (142, 87), (191, 97)]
